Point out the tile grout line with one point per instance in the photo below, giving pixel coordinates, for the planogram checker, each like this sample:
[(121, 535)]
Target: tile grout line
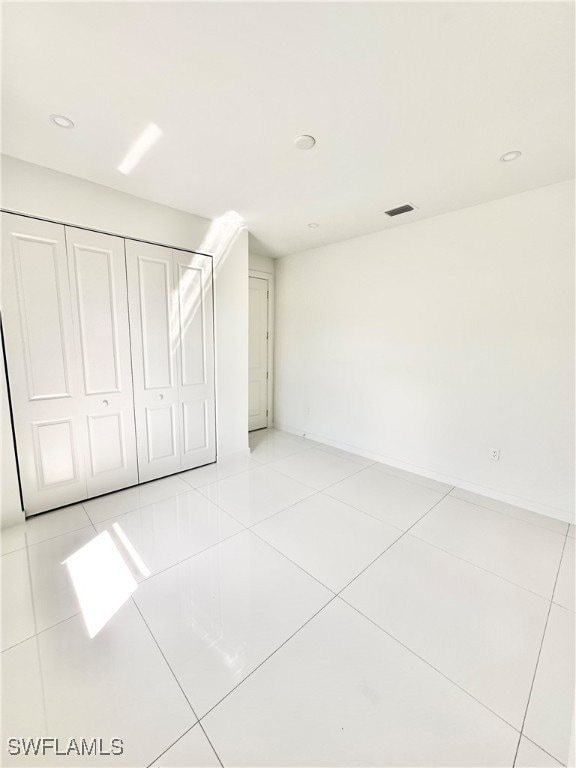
[(38, 632), (210, 742), (540, 652), (256, 668), (428, 664), (480, 567), (507, 514), (523, 736), (90, 524), (172, 744), (152, 635), (402, 534)]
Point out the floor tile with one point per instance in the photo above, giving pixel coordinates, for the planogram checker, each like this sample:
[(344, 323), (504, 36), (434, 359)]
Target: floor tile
[(427, 482), (571, 530), (315, 468), (172, 530), (193, 750), (317, 533), (356, 458), (255, 495), (45, 526), (341, 693), (52, 588), (116, 685), (394, 501), (520, 552), (271, 447), (509, 509), (59, 521), (17, 606), (302, 439), (114, 504), (550, 714), (13, 538), (220, 470), (220, 614), (531, 756), (479, 630), (564, 592)]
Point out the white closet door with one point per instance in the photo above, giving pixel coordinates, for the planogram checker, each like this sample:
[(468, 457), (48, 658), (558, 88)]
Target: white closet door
[(193, 279), (153, 312), (45, 383), (97, 271)]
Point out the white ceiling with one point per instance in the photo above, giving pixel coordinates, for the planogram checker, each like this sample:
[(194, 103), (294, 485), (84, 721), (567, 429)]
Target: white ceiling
[(409, 102)]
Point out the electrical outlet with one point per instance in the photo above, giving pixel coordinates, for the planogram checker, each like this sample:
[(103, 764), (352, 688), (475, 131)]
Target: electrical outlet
[(495, 454)]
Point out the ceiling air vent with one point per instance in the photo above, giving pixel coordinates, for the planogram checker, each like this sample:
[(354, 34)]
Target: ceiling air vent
[(399, 210)]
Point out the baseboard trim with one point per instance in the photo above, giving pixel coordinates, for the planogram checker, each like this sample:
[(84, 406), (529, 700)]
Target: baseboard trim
[(517, 501)]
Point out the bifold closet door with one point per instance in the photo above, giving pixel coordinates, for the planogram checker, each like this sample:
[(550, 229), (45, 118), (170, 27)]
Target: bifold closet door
[(97, 269), (45, 381), (65, 324), (170, 302), (193, 276)]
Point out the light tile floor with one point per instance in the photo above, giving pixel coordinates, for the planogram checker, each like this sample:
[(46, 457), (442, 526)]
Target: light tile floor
[(299, 607)]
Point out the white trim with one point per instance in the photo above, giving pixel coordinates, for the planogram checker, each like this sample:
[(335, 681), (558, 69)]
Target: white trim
[(270, 278), (517, 501)]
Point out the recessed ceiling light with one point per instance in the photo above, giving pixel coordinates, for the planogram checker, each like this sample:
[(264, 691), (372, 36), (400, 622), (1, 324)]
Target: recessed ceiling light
[(304, 142), (509, 156), (313, 225), (61, 121)]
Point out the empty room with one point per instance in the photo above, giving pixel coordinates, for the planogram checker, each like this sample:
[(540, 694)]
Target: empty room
[(287, 302)]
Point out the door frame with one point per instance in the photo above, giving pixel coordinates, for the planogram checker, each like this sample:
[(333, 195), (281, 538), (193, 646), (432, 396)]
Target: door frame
[(269, 277)]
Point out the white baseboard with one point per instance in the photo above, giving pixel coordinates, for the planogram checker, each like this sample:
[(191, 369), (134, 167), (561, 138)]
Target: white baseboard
[(457, 482)]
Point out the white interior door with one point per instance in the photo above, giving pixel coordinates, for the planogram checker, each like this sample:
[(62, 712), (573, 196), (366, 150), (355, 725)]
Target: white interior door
[(97, 271), (195, 335), (41, 348), (258, 354), (153, 310)]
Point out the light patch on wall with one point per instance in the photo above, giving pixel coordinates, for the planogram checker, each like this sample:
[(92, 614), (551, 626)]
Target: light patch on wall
[(222, 233), (143, 144)]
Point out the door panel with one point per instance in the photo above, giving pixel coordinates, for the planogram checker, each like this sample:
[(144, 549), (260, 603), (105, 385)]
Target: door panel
[(155, 316), (106, 439), (193, 277), (153, 322), (100, 306), (258, 354), (161, 433), (39, 265), (41, 349), (97, 315), (56, 453)]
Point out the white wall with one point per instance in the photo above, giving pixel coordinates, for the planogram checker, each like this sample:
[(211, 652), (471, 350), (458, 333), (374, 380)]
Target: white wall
[(10, 506), (32, 189), (261, 263), (427, 345)]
